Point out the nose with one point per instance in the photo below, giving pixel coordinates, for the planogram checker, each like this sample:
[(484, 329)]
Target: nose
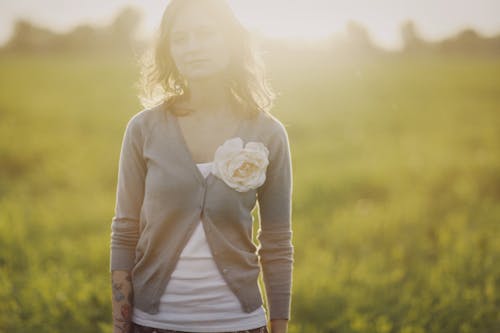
[(193, 43)]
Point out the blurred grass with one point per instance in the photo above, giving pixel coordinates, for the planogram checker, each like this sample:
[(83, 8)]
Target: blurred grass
[(396, 191)]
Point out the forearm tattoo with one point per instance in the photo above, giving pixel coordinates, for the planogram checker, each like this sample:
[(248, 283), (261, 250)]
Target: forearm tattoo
[(123, 296)]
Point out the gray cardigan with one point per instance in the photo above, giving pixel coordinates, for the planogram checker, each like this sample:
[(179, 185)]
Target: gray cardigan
[(161, 196)]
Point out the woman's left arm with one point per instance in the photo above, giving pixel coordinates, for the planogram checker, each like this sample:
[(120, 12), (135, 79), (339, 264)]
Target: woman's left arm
[(276, 250), (279, 326)]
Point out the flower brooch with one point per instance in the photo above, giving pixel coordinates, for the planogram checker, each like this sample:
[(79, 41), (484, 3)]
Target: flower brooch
[(241, 167)]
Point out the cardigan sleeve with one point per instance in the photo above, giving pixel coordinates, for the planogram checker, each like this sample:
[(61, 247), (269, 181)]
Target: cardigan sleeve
[(276, 250), (129, 198)]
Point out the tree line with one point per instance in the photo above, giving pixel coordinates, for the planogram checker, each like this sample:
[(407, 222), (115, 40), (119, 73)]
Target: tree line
[(120, 36)]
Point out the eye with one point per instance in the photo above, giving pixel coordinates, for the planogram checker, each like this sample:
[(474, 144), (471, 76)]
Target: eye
[(206, 32), (178, 38)]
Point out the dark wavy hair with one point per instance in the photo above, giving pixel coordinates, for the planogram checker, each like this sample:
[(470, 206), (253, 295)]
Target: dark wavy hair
[(160, 82)]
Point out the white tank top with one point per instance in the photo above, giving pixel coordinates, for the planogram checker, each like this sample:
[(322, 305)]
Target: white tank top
[(197, 297)]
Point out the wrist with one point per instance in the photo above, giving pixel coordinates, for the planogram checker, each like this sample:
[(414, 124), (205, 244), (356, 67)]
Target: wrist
[(279, 325)]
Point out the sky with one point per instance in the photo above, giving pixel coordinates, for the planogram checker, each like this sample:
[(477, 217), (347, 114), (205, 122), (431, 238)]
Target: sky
[(306, 19)]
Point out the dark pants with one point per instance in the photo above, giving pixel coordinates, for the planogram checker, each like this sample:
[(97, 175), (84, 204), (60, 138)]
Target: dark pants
[(136, 328)]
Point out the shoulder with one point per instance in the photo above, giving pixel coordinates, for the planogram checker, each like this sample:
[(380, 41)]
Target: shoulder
[(271, 127), (272, 132), (146, 116), (141, 122)]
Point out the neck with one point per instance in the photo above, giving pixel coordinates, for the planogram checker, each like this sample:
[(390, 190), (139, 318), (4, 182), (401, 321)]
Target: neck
[(208, 96)]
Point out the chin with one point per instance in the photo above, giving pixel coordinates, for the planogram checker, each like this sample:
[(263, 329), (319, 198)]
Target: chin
[(199, 76)]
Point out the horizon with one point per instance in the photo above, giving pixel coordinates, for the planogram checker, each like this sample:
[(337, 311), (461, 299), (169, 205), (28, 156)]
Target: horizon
[(305, 20)]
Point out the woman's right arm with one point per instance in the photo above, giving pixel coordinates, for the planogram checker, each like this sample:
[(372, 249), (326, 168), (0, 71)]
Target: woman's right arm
[(125, 225), (122, 303)]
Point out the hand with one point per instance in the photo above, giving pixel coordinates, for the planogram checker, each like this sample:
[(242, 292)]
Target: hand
[(279, 325)]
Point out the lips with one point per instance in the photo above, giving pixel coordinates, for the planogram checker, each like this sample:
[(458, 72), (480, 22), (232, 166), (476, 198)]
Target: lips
[(196, 61)]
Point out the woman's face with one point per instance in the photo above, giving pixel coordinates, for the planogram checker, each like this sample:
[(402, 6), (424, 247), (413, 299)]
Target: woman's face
[(197, 45)]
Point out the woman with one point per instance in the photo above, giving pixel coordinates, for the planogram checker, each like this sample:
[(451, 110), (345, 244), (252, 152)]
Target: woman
[(193, 164)]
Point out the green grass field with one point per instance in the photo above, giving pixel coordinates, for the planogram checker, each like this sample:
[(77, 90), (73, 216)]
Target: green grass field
[(396, 204)]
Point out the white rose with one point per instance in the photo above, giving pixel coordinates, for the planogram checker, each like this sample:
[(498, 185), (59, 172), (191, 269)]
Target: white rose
[(241, 168)]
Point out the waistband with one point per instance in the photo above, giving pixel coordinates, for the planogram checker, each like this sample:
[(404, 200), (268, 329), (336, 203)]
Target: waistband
[(136, 328)]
